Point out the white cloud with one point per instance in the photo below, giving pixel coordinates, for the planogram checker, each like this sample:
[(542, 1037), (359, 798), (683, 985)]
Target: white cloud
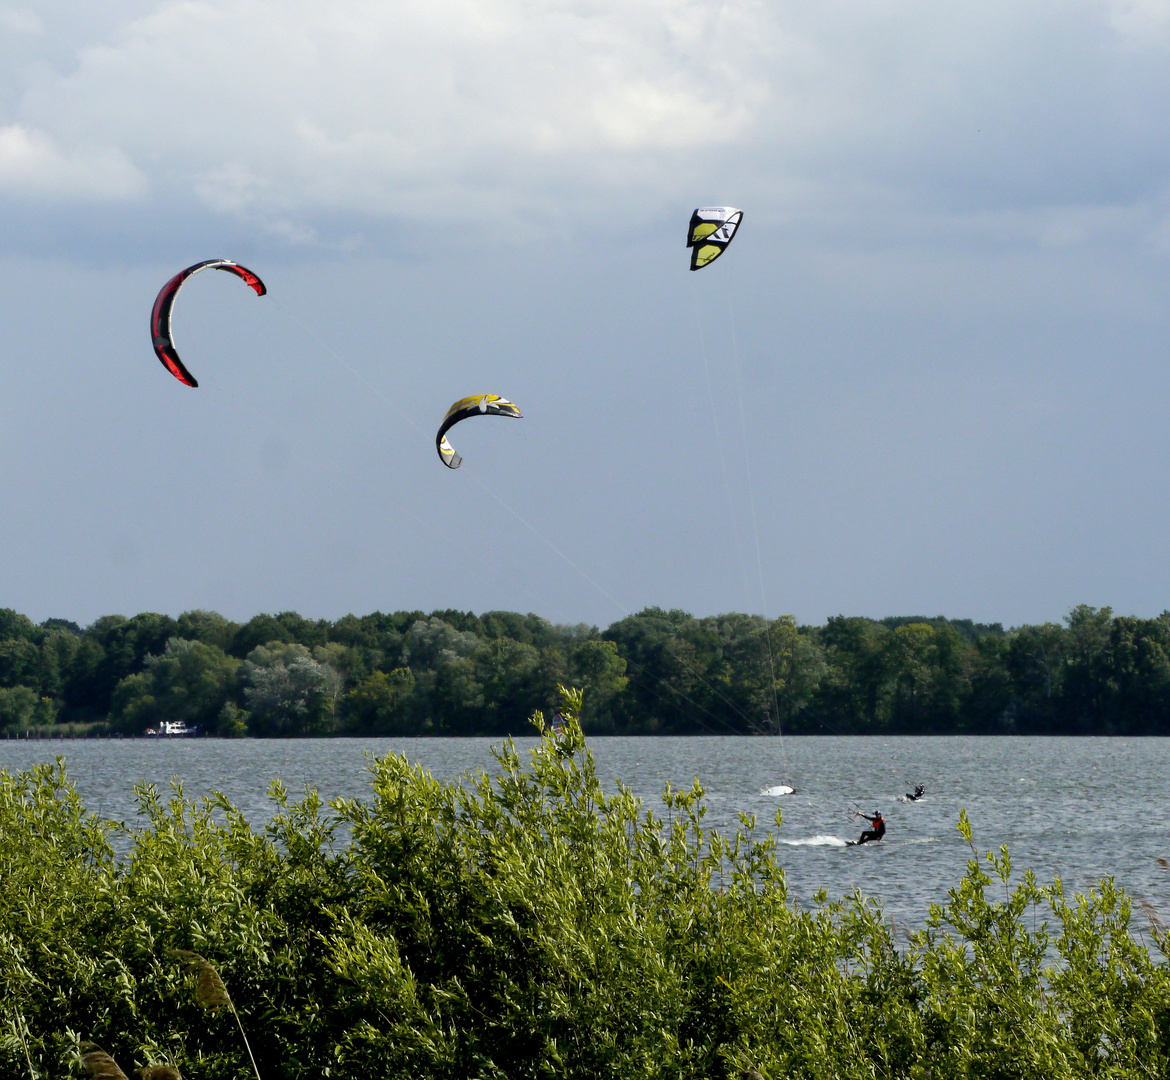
[(503, 114), (1074, 226), (20, 21), (31, 165), (231, 188), (1141, 22), (356, 108)]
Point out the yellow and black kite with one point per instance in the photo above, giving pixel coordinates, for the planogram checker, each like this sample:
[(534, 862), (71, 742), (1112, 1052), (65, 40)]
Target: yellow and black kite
[(712, 228), (477, 405)]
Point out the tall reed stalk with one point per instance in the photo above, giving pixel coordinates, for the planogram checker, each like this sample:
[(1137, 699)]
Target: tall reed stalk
[(99, 1064), (19, 1027), (210, 991)]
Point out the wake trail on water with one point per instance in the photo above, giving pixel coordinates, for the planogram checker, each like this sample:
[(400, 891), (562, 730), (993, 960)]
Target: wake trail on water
[(823, 840)]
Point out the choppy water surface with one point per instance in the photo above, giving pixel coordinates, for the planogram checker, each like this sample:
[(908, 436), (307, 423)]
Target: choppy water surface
[(1082, 809)]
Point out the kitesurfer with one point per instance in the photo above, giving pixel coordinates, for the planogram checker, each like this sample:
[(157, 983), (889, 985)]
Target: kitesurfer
[(879, 827), (919, 791)]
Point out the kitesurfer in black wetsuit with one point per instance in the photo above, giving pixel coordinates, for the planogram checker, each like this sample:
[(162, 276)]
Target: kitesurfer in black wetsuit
[(919, 791), (879, 827)]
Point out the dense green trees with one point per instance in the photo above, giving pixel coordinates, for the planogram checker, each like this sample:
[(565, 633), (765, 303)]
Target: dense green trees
[(458, 673), (531, 924)]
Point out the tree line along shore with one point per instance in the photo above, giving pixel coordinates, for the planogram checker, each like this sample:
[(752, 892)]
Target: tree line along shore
[(656, 672)]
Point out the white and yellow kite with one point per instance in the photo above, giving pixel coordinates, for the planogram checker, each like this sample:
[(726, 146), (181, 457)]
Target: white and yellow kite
[(712, 228)]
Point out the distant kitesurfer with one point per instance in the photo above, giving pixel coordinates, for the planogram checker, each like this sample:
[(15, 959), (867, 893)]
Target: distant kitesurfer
[(879, 827), (919, 791)]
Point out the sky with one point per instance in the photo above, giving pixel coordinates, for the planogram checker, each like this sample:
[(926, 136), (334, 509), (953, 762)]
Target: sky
[(930, 375)]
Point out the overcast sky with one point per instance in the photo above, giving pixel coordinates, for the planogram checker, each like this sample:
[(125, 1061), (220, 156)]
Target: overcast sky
[(930, 376)]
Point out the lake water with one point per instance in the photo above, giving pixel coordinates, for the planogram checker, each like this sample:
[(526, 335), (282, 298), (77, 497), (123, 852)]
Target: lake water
[(1081, 809)]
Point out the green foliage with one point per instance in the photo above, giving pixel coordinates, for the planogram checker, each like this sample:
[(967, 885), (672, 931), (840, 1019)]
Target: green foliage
[(289, 692), (14, 626), (18, 707), (380, 702), (600, 670), (209, 627), (530, 924)]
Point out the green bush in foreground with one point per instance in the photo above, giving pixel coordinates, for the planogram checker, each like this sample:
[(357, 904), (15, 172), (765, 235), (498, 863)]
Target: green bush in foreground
[(531, 925)]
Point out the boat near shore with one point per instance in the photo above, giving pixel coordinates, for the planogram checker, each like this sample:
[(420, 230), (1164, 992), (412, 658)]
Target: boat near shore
[(171, 729)]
